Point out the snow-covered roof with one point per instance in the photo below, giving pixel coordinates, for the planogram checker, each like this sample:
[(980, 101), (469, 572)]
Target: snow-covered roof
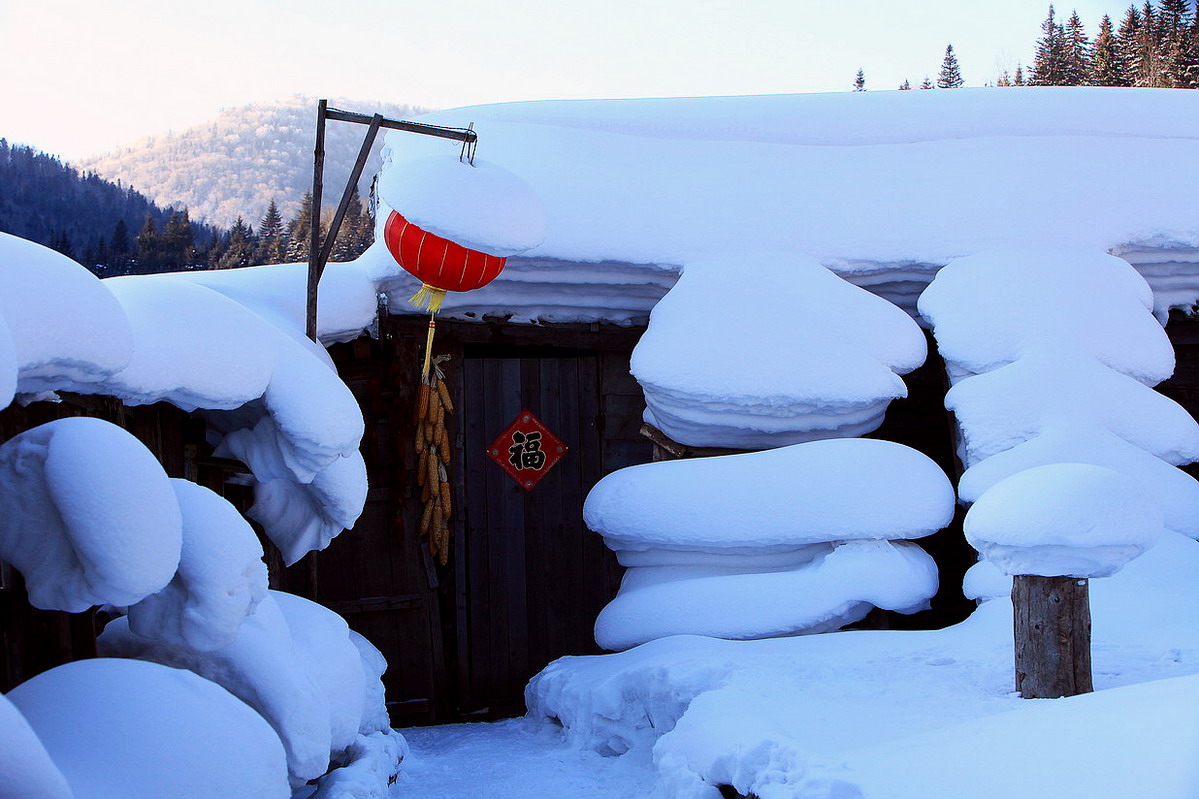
[(881, 187), (228, 345)]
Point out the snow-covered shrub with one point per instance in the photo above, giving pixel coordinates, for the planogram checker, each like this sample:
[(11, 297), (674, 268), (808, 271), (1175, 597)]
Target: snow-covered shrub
[(1053, 353), (124, 728), (777, 350), (221, 576), (797, 539), (294, 662), (1063, 520), (89, 515)]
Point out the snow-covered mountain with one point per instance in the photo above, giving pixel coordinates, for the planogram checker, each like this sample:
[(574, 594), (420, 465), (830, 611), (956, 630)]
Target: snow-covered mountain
[(243, 158)]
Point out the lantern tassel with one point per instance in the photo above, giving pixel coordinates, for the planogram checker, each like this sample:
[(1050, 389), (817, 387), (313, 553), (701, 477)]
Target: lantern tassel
[(428, 298), (429, 346)]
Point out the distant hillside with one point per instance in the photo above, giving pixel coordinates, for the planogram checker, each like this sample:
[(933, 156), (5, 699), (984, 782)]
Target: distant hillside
[(91, 219), (235, 164)]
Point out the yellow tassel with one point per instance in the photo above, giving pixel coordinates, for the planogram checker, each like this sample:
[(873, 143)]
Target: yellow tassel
[(428, 298)]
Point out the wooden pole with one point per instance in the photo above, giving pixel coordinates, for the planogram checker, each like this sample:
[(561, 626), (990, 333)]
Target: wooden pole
[(314, 239), (1052, 621), (363, 153)]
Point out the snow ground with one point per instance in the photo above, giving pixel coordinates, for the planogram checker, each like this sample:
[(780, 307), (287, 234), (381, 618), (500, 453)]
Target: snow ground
[(515, 759), (853, 715)]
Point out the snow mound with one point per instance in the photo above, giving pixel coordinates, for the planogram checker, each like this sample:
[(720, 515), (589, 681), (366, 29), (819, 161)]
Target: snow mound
[(992, 308), (834, 353), (778, 499), (790, 540), (1120, 736), (123, 728), (480, 206), (220, 581), (26, 769), (1037, 385), (1064, 519), (8, 365), (179, 355), (89, 515), (834, 589), (73, 334), (294, 662)]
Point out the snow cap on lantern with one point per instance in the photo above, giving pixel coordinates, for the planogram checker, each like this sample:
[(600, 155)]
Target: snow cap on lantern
[(455, 223)]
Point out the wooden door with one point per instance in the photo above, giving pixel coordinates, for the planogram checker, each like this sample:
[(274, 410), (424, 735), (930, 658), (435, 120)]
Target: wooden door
[(531, 578)]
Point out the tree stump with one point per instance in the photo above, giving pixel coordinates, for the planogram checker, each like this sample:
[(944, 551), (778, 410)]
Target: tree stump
[(1052, 619)]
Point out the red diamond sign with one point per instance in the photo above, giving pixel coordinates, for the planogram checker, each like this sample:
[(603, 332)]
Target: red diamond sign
[(527, 450)]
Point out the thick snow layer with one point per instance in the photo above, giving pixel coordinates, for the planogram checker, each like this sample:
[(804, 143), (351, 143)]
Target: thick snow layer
[(771, 350), (847, 178), (181, 352), (324, 650), (89, 515), (1064, 519), (1047, 387), (293, 661), (9, 365), (779, 542), (774, 500), (66, 327), (1174, 491), (26, 769), (374, 701), (480, 206), (788, 717), (123, 728), (346, 299), (220, 581), (990, 309), (833, 590), (260, 668)]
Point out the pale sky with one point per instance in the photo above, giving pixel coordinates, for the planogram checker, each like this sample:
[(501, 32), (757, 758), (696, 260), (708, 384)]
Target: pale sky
[(83, 76)]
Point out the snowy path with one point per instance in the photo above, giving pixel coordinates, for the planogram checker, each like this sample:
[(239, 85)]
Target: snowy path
[(515, 759)]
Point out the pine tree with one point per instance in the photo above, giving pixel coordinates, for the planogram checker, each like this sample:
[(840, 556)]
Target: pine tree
[(1128, 38), (270, 237), (1177, 46), (859, 82), (348, 244), (1147, 56), (1004, 79), (951, 75), (1048, 67), (239, 250), (926, 83), (177, 242), (1076, 66), (1105, 58), (1019, 79), (148, 254), (299, 231), (905, 86)]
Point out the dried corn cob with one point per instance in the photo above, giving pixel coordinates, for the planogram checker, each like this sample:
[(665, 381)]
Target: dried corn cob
[(422, 400), (444, 394), (444, 490), (426, 520)]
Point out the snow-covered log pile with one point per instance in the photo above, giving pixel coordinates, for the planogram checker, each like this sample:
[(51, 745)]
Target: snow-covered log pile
[(799, 539), (1036, 385), (91, 518), (784, 352)]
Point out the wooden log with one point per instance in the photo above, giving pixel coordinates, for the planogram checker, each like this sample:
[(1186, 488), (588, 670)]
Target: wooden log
[(1052, 621)]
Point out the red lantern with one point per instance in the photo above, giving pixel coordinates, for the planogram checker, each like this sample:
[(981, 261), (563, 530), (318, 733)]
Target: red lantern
[(440, 264)]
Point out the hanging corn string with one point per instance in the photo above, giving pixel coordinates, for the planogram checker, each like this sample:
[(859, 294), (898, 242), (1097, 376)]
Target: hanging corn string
[(433, 456)]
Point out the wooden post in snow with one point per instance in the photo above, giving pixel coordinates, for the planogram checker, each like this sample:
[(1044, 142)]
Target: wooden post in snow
[(1052, 619)]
